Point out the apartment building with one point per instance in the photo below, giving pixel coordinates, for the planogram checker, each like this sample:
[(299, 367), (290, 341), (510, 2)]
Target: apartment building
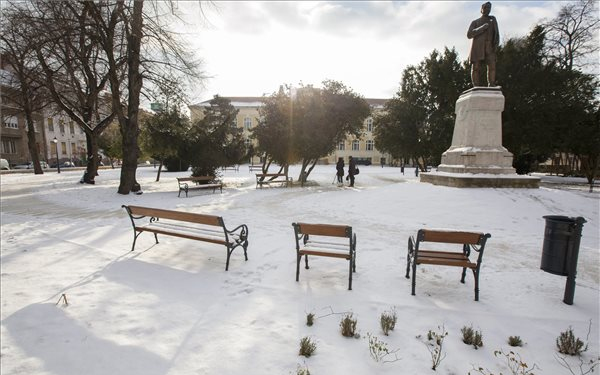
[(363, 149)]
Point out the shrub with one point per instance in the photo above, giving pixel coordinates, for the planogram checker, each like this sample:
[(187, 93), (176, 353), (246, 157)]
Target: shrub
[(307, 347), (348, 326), (515, 341), (310, 319), (388, 321), (472, 337), (302, 371), (567, 343), (435, 341)]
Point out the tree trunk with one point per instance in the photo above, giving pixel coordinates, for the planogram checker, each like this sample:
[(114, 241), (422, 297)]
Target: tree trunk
[(32, 144), (129, 124), (159, 169)]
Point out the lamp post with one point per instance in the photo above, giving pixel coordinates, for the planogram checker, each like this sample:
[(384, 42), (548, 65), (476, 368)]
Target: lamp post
[(55, 141)]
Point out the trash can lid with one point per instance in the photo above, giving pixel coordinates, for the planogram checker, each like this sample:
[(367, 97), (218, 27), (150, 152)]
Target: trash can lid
[(564, 218)]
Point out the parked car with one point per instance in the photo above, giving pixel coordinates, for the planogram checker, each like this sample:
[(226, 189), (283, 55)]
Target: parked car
[(363, 161), (29, 165), (4, 165)]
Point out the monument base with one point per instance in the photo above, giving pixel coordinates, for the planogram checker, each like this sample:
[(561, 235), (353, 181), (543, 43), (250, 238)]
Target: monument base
[(480, 180)]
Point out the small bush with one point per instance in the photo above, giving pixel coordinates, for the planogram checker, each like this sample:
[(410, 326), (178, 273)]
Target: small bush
[(435, 346), (567, 343), (515, 341), (302, 371), (348, 326), (472, 337), (310, 319), (388, 321), (307, 347)]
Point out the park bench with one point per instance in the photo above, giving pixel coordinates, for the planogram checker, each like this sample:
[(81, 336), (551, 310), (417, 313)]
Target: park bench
[(272, 178), (255, 167), (469, 241), (199, 182), (326, 240), (232, 168), (199, 227)]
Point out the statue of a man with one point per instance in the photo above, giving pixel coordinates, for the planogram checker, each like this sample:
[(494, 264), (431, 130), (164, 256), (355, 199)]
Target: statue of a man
[(486, 38)]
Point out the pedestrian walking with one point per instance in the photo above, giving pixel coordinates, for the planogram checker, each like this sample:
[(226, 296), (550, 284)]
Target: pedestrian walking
[(340, 170), (351, 170), (402, 169), (417, 171)]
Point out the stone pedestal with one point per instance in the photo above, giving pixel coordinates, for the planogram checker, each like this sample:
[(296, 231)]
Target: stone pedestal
[(476, 157)]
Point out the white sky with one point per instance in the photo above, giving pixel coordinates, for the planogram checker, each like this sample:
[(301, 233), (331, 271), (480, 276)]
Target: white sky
[(250, 48)]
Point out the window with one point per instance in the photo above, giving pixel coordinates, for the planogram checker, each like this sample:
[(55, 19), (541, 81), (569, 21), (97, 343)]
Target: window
[(8, 146), (72, 127), (342, 146), (248, 142), (355, 145), (62, 126), (63, 148), (11, 122), (370, 124), (73, 148), (370, 145), (50, 124), (53, 148), (247, 123)]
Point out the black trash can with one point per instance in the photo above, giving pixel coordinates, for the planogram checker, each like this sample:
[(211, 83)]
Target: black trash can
[(561, 249)]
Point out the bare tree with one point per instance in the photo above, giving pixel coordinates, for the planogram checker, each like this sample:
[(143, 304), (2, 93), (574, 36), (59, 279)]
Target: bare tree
[(25, 94), (572, 36), (151, 52)]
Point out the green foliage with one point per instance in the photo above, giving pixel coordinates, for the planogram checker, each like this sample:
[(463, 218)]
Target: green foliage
[(214, 141), (306, 124), (388, 321), (515, 341), (110, 142), (348, 326), (418, 123), (164, 135), (310, 319), (567, 343), (307, 347)]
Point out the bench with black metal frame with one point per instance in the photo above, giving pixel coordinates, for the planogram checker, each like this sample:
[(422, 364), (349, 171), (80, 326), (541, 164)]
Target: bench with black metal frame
[(470, 241), (199, 227), (199, 182), (273, 178), (255, 167), (320, 240)]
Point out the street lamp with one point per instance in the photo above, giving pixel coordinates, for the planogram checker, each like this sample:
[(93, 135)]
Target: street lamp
[(55, 141)]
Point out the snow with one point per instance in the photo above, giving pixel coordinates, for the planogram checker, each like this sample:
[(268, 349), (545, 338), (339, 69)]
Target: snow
[(171, 308)]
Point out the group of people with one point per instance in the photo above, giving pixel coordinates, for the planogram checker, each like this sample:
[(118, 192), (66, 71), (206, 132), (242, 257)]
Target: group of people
[(351, 171)]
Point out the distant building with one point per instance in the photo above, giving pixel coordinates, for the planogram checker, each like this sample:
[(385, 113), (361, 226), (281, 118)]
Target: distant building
[(48, 124), (364, 149)]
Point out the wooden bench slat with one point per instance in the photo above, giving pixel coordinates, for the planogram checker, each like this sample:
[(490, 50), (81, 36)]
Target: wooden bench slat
[(176, 215), (325, 253), (446, 262), (471, 238), (182, 235), (324, 229)]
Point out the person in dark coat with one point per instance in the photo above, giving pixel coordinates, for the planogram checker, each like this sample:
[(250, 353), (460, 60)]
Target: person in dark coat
[(351, 170), (340, 170)]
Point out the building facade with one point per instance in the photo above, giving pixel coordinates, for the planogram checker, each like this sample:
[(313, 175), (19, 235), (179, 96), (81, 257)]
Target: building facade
[(362, 149)]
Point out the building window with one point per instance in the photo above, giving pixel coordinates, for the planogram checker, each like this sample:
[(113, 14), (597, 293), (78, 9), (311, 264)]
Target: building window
[(63, 148), (247, 123), (11, 122), (72, 127), (370, 124), (355, 145), (50, 124), (61, 125), (8, 146), (73, 148), (370, 145), (53, 148), (342, 146)]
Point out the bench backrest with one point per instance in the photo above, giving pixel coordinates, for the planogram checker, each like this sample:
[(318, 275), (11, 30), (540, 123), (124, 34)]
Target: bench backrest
[(175, 215), (457, 237), (324, 229), (198, 178)]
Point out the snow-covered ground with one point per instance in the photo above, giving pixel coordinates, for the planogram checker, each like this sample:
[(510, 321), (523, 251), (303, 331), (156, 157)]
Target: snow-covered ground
[(171, 308)]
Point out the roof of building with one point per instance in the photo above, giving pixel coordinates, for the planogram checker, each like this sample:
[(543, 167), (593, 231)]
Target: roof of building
[(257, 101)]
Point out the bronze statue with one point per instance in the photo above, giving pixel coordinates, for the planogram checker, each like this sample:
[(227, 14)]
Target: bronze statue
[(486, 38)]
